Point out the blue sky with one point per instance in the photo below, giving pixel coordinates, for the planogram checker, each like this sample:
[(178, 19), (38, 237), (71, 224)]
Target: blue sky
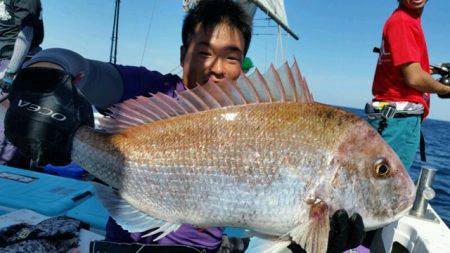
[(334, 51)]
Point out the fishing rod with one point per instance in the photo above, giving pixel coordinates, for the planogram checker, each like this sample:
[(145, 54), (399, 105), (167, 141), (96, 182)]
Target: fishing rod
[(444, 71), (444, 75)]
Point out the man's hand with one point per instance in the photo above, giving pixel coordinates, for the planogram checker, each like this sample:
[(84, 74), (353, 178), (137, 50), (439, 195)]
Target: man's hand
[(45, 112), (345, 233), (445, 81)]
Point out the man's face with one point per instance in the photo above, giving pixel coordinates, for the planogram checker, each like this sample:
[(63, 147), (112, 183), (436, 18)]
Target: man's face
[(213, 55), (414, 5)]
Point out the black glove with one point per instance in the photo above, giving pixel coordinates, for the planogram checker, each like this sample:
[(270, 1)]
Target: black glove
[(345, 233), (44, 113)]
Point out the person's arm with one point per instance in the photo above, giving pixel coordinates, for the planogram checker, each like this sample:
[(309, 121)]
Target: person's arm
[(420, 80), (21, 47)]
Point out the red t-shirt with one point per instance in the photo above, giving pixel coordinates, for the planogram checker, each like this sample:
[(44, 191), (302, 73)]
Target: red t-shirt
[(403, 42)]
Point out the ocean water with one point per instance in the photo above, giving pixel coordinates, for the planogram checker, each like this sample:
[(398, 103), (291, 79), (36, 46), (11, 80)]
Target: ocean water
[(437, 139)]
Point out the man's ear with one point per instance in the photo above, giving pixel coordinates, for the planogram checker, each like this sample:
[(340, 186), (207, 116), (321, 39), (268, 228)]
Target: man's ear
[(182, 55)]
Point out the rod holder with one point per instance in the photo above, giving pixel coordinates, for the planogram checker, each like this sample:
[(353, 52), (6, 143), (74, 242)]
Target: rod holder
[(424, 192)]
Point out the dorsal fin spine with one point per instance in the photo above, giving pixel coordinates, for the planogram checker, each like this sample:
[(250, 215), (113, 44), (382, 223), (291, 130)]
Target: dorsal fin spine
[(241, 95), (252, 88), (129, 105), (173, 104), (186, 102), (198, 99), (279, 83), (206, 97), (146, 105), (152, 101), (116, 114), (287, 79), (301, 82), (264, 85), (225, 96), (142, 109), (158, 99)]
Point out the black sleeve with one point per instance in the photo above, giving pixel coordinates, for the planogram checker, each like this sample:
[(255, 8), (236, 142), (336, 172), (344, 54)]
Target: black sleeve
[(27, 12)]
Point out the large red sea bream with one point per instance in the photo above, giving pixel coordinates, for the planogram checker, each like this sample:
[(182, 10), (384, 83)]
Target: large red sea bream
[(257, 154)]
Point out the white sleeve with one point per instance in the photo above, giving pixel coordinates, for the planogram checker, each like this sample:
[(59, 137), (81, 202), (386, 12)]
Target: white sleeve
[(21, 47)]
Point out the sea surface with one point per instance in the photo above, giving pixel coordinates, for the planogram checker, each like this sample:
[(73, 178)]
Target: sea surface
[(437, 139)]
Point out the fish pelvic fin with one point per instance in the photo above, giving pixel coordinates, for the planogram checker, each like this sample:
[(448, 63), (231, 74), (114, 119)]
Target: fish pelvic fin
[(313, 235), (285, 84), (130, 218)]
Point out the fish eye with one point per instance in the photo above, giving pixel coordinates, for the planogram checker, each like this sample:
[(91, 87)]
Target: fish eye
[(381, 168)]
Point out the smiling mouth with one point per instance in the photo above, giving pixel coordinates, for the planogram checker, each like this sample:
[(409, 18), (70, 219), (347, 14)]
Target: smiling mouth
[(419, 2), (214, 80)]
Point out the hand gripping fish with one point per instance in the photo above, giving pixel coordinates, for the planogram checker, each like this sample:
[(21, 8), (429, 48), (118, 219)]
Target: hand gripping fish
[(257, 154)]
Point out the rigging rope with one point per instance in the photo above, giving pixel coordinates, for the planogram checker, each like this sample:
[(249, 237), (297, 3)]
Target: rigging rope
[(148, 31)]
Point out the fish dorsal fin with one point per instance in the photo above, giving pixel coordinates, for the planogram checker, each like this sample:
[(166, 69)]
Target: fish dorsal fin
[(283, 85)]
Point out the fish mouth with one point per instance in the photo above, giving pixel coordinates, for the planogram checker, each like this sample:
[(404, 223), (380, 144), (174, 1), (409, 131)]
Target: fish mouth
[(372, 224)]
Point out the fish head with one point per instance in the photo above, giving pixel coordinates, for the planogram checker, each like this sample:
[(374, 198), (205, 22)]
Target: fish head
[(369, 178)]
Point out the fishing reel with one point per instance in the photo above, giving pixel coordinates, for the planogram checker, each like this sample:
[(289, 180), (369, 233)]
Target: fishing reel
[(444, 75)]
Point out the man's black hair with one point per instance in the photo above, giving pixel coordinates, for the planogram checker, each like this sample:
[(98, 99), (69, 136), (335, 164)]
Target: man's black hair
[(210, 13)]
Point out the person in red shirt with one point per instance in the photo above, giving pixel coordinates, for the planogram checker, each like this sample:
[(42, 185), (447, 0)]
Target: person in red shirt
[(402, 81)]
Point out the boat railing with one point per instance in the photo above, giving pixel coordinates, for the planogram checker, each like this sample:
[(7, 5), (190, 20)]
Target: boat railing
[(424, 193)]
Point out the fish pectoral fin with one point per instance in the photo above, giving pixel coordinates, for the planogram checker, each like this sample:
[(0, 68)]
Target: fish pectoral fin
[(128, 217), (266, 245), (313, 234)]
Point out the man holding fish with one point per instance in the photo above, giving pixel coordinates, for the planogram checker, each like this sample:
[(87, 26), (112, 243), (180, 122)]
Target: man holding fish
[(328, 174)]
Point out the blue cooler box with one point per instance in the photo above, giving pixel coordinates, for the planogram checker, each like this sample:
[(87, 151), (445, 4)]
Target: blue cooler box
[(91, 212), (46, 194)]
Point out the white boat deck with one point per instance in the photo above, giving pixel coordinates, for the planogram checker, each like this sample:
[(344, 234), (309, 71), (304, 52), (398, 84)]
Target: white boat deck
[(418, 235)]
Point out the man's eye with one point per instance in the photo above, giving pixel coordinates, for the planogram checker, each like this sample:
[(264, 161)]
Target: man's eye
[(204, 53), (233, 59)]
